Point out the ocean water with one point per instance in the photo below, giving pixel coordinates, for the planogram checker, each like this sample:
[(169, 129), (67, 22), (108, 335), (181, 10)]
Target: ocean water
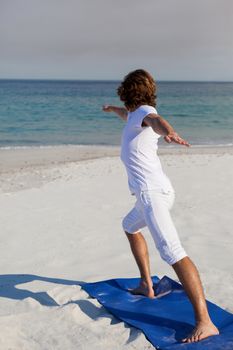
[(38, 113)]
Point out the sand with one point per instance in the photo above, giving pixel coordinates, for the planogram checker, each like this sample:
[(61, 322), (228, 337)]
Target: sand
[(60, 223)]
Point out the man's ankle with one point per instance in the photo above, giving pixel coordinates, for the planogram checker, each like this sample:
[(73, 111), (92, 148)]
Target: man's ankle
[(203, 319), (146, 282)]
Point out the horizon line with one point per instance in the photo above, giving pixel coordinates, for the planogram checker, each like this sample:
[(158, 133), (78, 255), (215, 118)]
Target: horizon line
[(113, 80)]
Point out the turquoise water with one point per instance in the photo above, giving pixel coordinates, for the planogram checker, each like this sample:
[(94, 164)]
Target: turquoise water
[(36, 113)]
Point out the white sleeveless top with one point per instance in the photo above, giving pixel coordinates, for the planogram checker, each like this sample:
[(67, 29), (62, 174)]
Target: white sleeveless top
[(139, 154)]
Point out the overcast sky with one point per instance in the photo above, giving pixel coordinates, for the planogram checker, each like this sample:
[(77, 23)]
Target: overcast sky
[(104, 39)]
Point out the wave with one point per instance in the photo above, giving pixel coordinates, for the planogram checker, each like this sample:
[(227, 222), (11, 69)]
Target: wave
[(110, 146)]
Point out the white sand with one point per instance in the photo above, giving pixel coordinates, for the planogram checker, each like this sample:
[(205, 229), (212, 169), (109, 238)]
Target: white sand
[(60, 223)]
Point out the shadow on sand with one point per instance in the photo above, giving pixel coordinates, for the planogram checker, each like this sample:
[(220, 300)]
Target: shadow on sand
[(9, 283), (8, 289)]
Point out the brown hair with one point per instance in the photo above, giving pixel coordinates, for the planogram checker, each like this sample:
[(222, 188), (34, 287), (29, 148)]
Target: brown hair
[(137, 88)]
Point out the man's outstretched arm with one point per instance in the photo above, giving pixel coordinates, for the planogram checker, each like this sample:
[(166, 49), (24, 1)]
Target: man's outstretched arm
[(162, 127), (120, 111)]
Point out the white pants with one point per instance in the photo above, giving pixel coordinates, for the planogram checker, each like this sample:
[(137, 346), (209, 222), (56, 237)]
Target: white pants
[(152, 210)]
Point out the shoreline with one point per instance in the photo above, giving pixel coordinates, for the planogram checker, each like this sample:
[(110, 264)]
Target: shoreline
[(12, 159), (25, 168)]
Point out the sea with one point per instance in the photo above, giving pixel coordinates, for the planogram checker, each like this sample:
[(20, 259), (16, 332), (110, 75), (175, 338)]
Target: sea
[(38, 113)]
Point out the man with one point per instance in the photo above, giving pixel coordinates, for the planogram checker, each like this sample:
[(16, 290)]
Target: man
[(154, 194)]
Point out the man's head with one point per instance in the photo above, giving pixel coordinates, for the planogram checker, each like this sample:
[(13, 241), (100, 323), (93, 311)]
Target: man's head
[(138, 88)]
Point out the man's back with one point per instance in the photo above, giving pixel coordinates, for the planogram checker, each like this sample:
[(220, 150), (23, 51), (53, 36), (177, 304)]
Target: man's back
[(139, 153)]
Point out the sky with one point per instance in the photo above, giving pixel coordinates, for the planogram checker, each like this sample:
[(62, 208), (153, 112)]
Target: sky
[(105, 39)]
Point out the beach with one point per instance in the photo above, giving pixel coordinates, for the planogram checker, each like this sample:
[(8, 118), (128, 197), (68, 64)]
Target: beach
[(61, 209)]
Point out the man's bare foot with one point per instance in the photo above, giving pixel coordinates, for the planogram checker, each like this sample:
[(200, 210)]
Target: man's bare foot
[(144, 289), (201, 331)]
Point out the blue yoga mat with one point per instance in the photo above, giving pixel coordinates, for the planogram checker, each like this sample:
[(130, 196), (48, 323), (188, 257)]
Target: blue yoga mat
[(164, 320)]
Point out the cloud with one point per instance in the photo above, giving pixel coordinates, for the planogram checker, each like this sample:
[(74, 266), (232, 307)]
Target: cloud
[(80, 33)]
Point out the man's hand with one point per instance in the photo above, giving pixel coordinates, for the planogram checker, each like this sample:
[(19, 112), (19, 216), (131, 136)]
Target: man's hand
[(162, 127), (120, 111), (174, 137), (107, 108)]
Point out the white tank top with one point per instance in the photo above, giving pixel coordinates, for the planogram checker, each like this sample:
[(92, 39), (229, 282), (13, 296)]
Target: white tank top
[(139, 154)]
